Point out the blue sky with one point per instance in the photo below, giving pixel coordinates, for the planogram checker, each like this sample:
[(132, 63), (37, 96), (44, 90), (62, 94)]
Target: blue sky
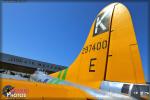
[(55, 32)]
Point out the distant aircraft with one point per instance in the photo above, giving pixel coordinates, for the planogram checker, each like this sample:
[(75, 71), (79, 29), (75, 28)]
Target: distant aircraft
[(108, 67)]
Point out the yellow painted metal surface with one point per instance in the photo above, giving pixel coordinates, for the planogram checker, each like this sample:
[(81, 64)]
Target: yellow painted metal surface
[(122, 62), (42, 91), (125, 64)]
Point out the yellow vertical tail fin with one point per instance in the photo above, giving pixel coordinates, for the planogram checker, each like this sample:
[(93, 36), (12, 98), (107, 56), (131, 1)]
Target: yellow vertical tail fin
[(124, 64), (109, 53)]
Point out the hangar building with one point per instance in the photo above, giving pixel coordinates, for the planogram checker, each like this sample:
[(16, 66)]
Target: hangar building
[(14, 64)]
